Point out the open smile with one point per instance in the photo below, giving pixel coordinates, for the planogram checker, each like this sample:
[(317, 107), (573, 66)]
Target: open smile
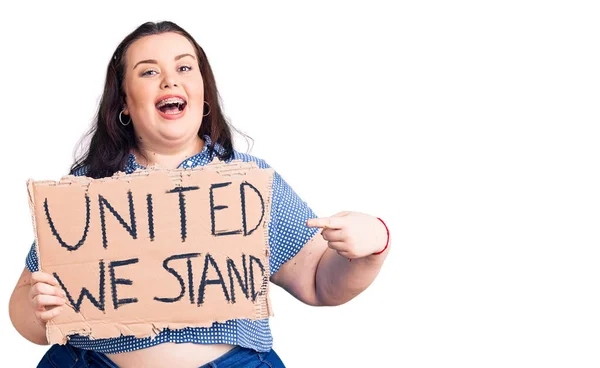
[(171, 106)]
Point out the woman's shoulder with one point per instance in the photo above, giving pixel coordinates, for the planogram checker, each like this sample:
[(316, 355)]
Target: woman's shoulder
[(246, 157)]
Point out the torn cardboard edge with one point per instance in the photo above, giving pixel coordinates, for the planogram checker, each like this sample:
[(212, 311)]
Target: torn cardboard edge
[(60, 332), (234, 167)]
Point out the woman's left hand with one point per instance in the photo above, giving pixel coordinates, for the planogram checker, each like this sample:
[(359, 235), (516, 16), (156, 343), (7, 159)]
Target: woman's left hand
[(352, 234)]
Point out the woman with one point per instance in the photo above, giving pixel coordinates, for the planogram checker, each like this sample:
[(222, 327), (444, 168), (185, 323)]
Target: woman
[(161, 107)]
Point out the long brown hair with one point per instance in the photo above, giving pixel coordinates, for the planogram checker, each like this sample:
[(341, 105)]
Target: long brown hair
[(111, 142)]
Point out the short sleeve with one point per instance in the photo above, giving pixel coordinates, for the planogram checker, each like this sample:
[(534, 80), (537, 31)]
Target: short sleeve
[(288, 231), (31, 262)]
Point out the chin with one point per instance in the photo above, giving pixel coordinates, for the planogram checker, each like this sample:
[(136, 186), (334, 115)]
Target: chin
[(177, 135)]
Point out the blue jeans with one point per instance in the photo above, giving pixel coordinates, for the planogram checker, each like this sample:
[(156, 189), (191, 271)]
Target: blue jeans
[(67, 356)]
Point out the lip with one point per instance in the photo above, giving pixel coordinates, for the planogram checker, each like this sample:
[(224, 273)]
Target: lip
[(169, 96), (171, 116)]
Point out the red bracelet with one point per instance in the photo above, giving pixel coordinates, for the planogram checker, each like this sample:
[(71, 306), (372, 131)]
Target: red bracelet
[(388, 237)]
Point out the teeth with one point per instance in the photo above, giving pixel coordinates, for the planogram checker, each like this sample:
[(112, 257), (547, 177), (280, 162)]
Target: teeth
[(172, 100)]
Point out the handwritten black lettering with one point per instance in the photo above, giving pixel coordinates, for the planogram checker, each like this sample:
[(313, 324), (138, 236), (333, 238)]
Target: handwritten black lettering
[(55, 232), (204, 281), (173, 272), (243, 200), (262, 275), (114, 282), (132, 230), (232, 269), (214, 208), (182, 212), (150, 208), (98, 303)]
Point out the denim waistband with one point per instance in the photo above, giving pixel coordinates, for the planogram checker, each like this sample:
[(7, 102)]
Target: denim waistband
[(69, 356)]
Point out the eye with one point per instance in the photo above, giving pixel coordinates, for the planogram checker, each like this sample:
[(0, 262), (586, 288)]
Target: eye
[(149, 72), (185, 68)]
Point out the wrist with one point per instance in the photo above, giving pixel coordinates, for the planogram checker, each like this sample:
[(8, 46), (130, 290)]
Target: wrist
[(387, 241)]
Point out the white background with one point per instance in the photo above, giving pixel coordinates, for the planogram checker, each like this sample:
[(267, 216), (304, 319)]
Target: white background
[(471, 127)]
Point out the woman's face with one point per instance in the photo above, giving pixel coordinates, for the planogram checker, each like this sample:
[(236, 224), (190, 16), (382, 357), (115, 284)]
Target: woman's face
[(164, 90)]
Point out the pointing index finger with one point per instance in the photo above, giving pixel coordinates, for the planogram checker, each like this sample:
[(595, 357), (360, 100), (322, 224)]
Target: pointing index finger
[(324, 223)]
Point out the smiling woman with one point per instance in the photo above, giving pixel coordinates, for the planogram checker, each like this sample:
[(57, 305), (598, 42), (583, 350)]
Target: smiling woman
[(160, 107)]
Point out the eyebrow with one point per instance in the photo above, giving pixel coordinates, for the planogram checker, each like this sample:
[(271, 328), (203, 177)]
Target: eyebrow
[(152, 61)]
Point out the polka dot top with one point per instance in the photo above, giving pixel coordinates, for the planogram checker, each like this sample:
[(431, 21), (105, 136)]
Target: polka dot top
[(287, 235)]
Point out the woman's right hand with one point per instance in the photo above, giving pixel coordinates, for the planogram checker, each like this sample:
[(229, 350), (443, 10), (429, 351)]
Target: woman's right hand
[(46, 296)]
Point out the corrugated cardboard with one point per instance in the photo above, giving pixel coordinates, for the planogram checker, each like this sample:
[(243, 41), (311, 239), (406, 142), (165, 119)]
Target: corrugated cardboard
[(155, 249)]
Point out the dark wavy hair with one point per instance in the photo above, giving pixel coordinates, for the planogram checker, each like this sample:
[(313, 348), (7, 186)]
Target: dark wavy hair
[(111, 142)]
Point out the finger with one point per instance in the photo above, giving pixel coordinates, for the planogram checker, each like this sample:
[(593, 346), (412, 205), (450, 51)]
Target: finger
[(345, 254), (333, 235), (325, 222), (337, 245), (41, 301), (341, 214), (46, 278), (41, 288), (49, 314)]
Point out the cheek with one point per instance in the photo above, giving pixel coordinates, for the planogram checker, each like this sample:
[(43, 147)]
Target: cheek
[(195, 89), (138, 97), (197, 93)]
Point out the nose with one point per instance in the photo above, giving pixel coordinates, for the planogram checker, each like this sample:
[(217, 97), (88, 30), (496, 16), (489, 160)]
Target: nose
[(168, 81)]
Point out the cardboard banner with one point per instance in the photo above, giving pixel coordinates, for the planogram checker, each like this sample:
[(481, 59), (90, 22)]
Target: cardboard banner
[(155, 249)]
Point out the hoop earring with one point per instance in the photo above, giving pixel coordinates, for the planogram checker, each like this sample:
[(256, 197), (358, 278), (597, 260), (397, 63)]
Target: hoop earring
[(121, 119), (208, 109)]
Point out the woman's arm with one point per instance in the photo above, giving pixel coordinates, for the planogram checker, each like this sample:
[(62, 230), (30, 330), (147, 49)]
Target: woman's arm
[(322, 273), (37, 298)]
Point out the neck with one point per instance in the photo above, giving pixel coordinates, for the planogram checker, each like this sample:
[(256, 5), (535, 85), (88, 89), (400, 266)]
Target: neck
[(167, 157)]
